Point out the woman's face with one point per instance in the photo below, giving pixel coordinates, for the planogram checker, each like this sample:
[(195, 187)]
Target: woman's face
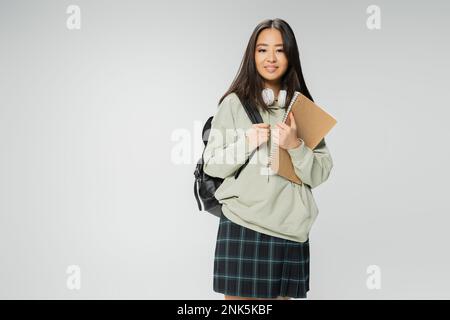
[(271, 61)]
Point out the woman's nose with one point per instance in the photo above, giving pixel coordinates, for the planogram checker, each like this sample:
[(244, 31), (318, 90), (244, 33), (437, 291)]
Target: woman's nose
[(272, 56)]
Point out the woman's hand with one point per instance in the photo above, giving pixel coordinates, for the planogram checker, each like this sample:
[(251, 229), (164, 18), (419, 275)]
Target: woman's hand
[(286, 135), (258, 134)]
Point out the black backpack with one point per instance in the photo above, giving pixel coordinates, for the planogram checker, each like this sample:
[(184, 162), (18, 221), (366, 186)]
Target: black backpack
[(204, 185)]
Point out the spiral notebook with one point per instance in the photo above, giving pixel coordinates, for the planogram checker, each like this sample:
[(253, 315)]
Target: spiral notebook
[(312, 122)]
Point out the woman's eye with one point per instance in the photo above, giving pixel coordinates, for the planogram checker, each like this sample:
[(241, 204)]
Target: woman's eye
[(264, 50)]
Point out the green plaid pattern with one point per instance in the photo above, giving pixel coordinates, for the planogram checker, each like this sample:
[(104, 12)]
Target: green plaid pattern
[(248, 263)]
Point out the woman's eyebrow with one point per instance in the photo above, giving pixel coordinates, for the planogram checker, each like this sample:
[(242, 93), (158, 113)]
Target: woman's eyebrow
[(265, 44)]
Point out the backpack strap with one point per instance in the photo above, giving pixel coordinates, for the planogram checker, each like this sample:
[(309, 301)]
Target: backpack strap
[(196, 183), (252, 113), (255, 117)]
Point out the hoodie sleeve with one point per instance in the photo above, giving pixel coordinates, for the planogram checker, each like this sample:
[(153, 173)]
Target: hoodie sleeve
[(227, 148), (312, 166)]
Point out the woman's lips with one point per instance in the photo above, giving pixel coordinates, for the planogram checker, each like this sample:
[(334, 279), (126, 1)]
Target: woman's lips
[(271, 69)]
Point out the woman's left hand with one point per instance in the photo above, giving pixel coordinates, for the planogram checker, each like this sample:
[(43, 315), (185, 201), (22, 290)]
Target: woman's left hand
[(286, 135)]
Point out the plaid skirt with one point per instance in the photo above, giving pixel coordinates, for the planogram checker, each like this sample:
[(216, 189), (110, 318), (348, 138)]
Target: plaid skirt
[(248, 263)]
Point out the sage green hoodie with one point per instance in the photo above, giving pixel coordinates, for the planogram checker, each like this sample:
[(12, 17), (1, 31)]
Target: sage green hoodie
[(267, 203)]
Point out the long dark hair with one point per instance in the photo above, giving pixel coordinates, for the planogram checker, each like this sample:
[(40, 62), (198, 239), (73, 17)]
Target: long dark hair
[(248, 84)]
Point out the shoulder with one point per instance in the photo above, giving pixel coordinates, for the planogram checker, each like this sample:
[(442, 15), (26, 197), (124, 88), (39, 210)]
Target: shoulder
[(229, 105), (231, 100), (227, 110)]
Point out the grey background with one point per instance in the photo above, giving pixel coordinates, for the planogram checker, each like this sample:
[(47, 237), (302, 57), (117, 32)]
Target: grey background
[(87, 124)]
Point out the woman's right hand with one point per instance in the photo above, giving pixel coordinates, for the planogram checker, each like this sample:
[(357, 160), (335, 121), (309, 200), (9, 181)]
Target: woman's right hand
[(258, 134)]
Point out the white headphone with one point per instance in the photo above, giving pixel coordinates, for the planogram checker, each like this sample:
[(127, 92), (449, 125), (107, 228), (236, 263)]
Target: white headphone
[(269, 97)]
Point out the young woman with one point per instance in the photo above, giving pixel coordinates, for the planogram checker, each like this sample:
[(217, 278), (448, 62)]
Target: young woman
[(262, 247)]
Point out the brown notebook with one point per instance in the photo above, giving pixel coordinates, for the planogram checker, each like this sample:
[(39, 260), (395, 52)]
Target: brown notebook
[(312, 122)]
